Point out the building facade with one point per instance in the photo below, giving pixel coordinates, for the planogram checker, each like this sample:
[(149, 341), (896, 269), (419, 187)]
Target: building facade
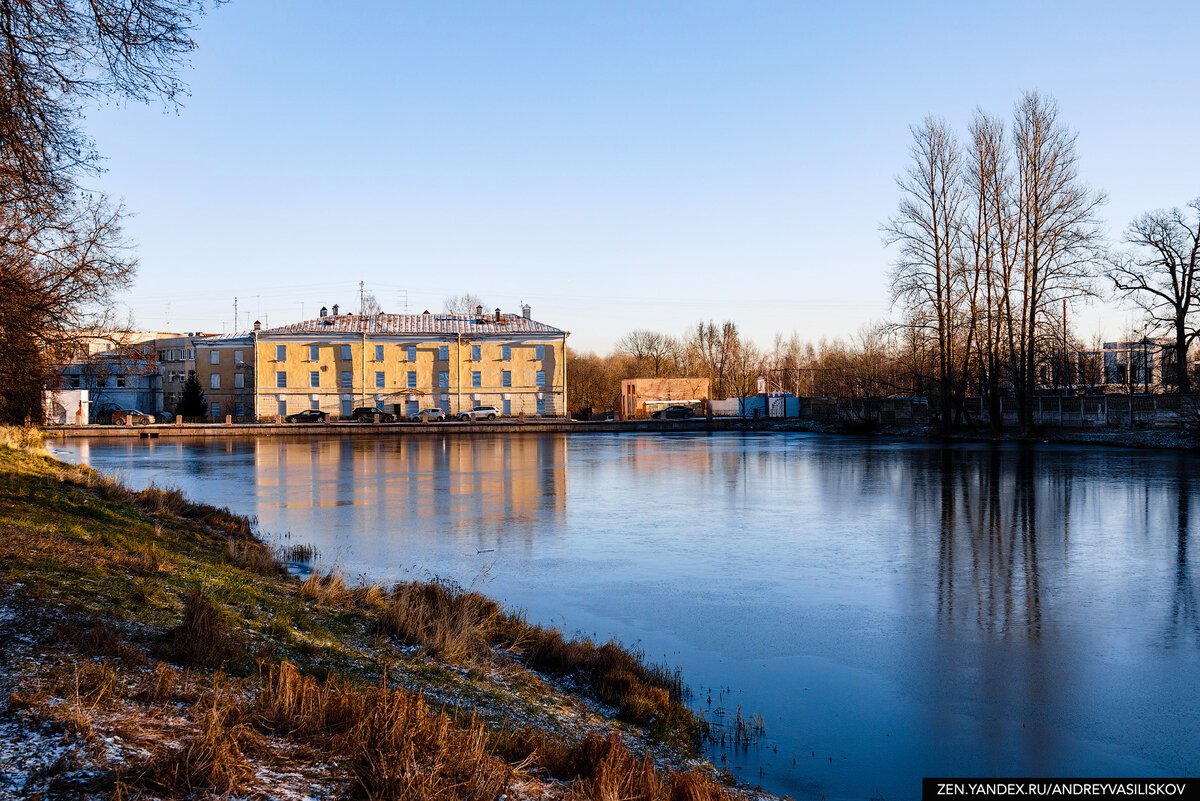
[(402, 363)]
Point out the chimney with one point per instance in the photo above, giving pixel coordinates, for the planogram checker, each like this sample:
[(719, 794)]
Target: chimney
[(526, 312), (497, 314), (257, 325), (479, 311), (335, 310), (324, 311)]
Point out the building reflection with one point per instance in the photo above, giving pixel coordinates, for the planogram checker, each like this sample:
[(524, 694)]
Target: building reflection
[(393, 486)]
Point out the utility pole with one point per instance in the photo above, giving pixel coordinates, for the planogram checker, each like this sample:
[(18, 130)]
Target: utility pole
[(235, 313), (362, 303)]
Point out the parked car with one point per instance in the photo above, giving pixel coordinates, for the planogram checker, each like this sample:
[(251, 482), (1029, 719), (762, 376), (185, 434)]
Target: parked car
[(308, 416), (674, 413), (366, 414), (164, 417), (607, 416), (131, 417), (433, 415), (480, 413)]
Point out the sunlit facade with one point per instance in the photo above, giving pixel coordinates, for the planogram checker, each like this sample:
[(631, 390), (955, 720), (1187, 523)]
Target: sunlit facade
[(402, 363)]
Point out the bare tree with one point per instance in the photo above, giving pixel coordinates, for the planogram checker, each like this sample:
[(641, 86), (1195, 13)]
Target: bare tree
[(929, 229), (370, 305), (463, 305), (1160, 276), (1059, 237), (650, 351)]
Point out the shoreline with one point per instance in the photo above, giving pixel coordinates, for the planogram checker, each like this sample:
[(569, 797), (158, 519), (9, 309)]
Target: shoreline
[(160, 649)]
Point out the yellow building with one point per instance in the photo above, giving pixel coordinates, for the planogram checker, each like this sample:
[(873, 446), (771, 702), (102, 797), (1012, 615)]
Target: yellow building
[(402, 363)]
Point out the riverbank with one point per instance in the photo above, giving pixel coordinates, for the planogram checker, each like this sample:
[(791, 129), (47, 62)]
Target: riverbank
[(156, 648)]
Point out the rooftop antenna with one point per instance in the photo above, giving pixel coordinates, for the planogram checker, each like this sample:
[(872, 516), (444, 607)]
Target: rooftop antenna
[(235, 312), (362, 302), (167, 322)]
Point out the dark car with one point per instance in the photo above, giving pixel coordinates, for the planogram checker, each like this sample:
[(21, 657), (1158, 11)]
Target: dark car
[(308, 416), (131, 417), (674, 413), (366, 414)]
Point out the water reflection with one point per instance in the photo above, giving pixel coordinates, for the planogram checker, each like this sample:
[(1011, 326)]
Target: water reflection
[(905, 608)]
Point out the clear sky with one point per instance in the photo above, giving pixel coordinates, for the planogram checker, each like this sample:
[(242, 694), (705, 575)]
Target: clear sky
[(617, 165)]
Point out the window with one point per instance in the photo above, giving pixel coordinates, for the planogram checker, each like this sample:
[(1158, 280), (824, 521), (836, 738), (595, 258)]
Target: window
[(412, 408), (541, 406), (444, 378), (539, 351), (379, 353), (345, 351), (120, 382), (346, 381), (347, 407), (506, 407), (214, 409), (474, 353), (444, 403), (239, 409), (412, 378), (314, 353), (237, 357), (239, 382), (411, 353), (314, 378), (443, 353), (214, 381), (506, 378), (506, 352), (280, 352), (314, 403), (74, 382), (191, 354), (539, 378), (281, 379), (476, 379), (214, 357), (281, 407), (379, 380)]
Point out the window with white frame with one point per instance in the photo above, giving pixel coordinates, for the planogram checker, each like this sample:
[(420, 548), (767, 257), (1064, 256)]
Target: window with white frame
[(506, 378), (506, 352), (476, 378), (345, 351), (239, 380), (239, 409), (347, 378), (280, 353), (237, 357), (214, 356), (444, 378), (475, 351), (443, 353), (379, 353), (314, 352), (411, 353), (539, 378), (281, 379), (314, 378), (214, 409), (214, 381), (379, 380), (539, 351), (412, 378)]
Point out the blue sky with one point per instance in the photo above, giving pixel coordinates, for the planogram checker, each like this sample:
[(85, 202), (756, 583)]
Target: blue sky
[(616, 165)]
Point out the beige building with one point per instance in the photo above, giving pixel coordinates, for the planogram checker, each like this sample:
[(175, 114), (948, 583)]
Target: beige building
[(640, 397), (400, 363)]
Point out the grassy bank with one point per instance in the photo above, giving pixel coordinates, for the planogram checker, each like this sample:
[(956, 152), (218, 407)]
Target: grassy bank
[(155, 648)]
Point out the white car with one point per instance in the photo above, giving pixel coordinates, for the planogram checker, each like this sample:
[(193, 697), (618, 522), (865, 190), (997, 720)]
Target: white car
[(433, 415), (480, 413)]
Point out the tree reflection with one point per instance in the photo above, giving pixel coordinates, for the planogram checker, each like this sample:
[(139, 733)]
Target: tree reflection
[(1183, 623)]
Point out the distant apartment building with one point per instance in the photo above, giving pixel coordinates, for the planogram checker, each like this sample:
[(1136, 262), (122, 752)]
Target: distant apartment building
[(1142, 365), (176, 357), (402, 363)]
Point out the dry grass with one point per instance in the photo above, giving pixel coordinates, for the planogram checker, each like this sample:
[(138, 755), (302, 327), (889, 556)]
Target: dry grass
[(21, 437), (212, 759), (443, 619), (328, 589), (204, 637), (255, 557), (403, 750), (159, 500)]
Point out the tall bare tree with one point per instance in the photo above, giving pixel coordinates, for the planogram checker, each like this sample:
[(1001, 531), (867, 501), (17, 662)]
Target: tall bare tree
[(464, 304), (929, 229), (1160, 276), (1059, 238)]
